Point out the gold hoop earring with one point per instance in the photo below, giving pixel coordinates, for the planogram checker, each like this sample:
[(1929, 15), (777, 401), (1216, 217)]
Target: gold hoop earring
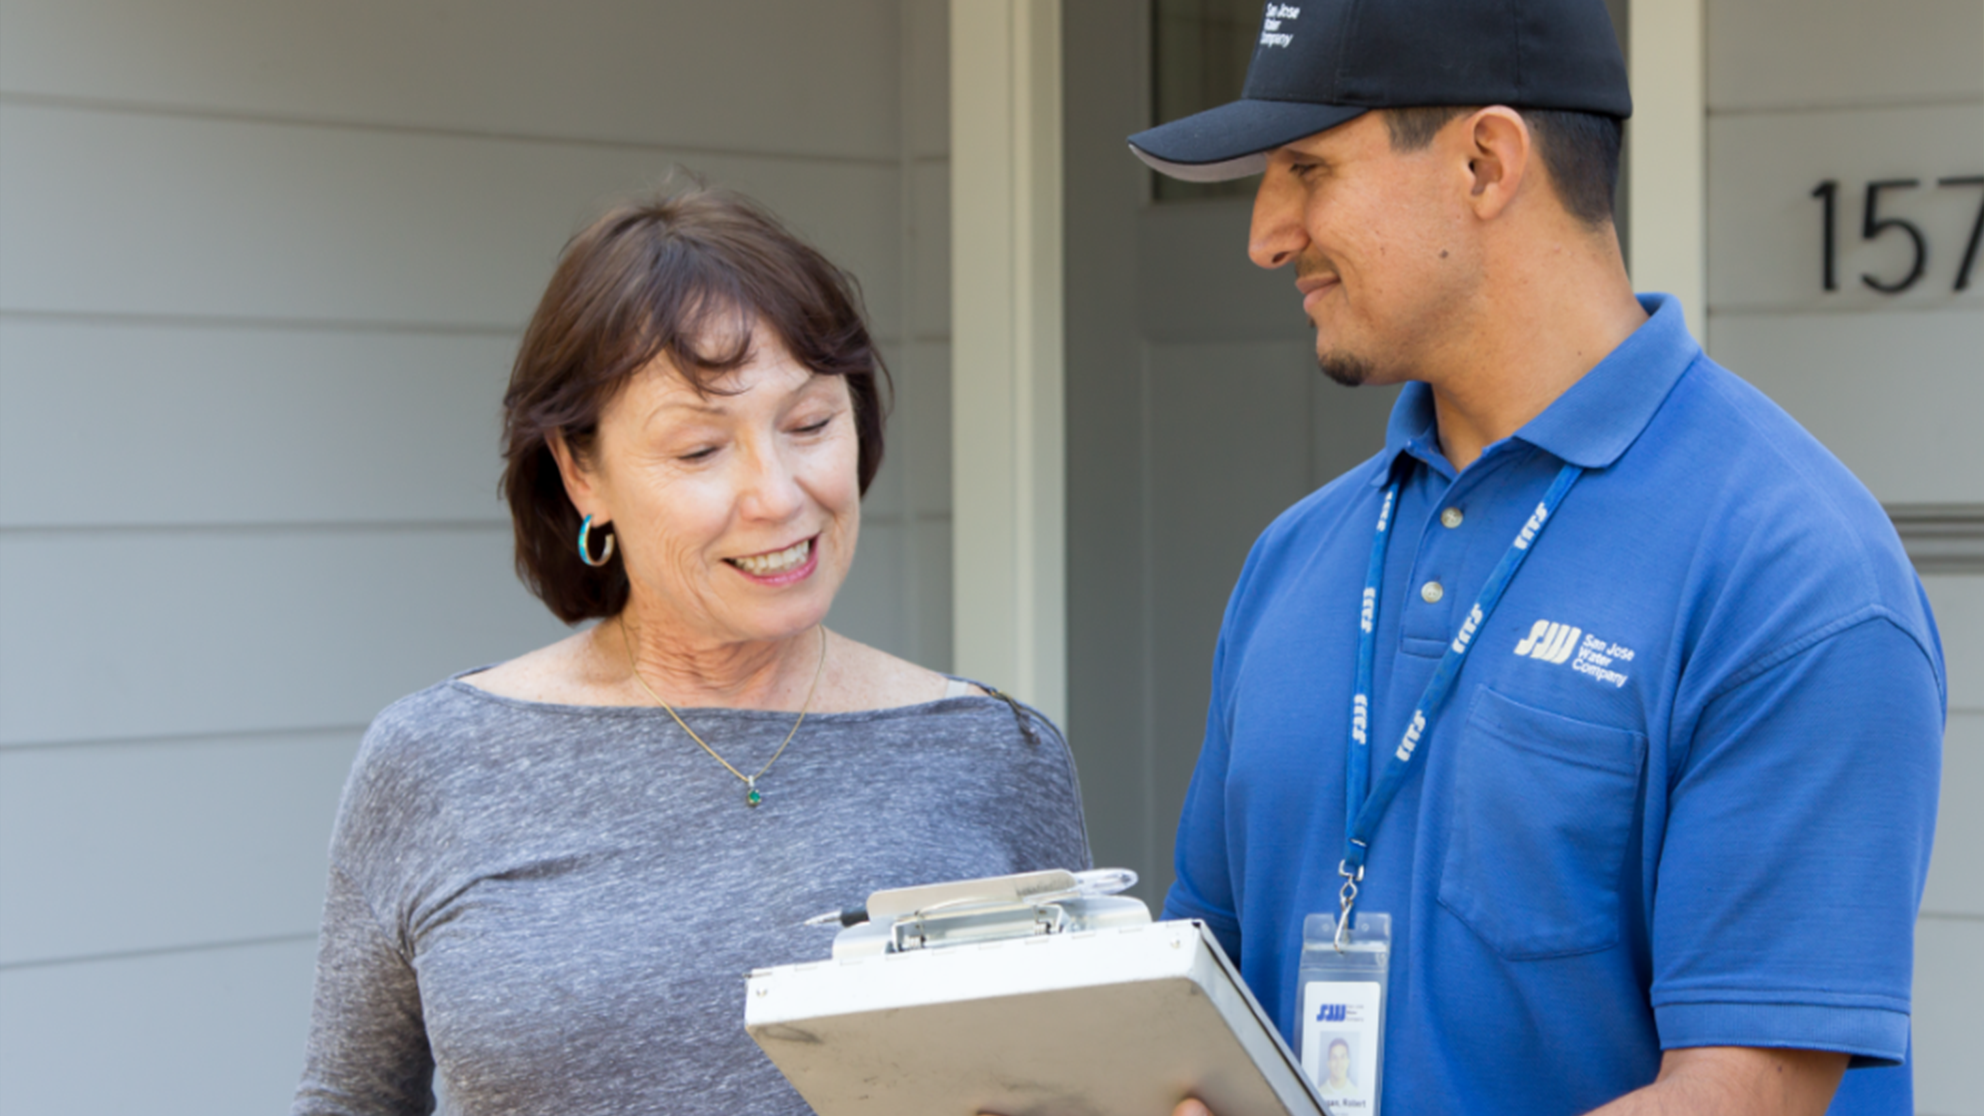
[(585, 549)]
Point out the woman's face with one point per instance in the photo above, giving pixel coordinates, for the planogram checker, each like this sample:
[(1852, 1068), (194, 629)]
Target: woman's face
[(736, 513)]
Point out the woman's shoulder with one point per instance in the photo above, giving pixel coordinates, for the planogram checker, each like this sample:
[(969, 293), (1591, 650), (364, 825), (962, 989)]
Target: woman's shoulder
[(858, 677), (868, 690), (412, 733), (454, 725), (556, 674), (449, 746), (395, 779)]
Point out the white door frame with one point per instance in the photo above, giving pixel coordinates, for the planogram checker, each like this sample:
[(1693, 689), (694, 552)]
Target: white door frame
[(1008, 502), (1669, 190)]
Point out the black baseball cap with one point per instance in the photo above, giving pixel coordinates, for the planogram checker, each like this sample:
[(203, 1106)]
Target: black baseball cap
[(1319, 63)]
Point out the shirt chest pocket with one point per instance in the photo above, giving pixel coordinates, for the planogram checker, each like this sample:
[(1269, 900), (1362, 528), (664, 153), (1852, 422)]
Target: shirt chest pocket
[(1543, 809)]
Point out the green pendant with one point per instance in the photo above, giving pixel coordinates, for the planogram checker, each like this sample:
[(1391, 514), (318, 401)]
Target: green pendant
[(751, 795)]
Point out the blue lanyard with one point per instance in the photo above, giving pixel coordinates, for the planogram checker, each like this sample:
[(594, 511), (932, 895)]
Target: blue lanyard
[(1361, 811)]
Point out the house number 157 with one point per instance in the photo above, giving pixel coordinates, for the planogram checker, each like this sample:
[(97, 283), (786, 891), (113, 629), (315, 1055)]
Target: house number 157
[(1873, 226)]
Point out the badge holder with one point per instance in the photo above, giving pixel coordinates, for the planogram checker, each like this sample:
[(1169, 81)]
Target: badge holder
[(1343, 986)]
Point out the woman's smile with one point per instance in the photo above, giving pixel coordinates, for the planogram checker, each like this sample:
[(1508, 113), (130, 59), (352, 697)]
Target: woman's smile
[(780, 567)]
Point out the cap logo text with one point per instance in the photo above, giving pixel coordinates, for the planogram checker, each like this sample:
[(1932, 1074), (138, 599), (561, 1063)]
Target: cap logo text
[(1271, 32)]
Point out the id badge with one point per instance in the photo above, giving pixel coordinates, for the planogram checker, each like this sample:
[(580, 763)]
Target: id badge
[(1342, 998)]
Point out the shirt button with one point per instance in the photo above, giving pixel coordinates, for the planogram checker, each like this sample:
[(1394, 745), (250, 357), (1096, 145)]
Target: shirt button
[(1451, 517), (1431, 592)]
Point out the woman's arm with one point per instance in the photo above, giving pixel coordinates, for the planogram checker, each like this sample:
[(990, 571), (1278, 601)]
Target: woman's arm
[(368, 1053)]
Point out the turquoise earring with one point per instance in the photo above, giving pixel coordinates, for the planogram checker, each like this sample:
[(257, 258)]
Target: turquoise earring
[(585, 549)]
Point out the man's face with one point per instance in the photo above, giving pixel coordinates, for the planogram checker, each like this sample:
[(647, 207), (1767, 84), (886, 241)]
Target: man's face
[(1339, 1062), (1379, 240)]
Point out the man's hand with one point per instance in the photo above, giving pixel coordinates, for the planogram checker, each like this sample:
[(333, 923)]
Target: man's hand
[(1712, 1081), (1187, 1107), (1737, 1080)]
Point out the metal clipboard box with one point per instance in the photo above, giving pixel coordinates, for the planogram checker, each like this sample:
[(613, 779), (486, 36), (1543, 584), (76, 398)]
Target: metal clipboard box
[(1123, 1020)]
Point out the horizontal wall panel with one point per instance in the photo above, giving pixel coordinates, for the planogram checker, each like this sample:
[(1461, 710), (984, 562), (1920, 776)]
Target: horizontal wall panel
[(1807, 53), (1958, 601), (122, 423), (1250, 407), (929, 291), (930, 595), (236, 631), (922, 428), (1347, 423), (1896, 396), (1956, 875), (870, 604), (121, 848), (1949, 984), (927, 77), (1195, 282), (1766, 230), (207, 1033), (256, 220), (775, 75)]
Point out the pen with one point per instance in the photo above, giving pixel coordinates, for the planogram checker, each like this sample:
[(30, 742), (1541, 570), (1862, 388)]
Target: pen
[(846, 916)]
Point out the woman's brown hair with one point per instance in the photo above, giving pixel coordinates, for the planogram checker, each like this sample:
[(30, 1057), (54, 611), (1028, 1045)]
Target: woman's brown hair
[(690, 276)]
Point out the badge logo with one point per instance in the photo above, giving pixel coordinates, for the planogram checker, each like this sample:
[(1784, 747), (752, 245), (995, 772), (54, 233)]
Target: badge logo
[(1595, 658), (1550, 642)]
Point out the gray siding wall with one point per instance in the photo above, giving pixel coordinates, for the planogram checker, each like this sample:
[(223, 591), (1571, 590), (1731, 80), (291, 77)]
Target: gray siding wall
[(262, 271)]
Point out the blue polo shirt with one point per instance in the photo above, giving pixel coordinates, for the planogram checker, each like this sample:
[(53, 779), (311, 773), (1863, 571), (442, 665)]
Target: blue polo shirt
[(1682, 793)]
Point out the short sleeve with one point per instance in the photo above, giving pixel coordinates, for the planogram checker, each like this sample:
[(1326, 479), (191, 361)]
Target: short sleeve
[(1796, 847)]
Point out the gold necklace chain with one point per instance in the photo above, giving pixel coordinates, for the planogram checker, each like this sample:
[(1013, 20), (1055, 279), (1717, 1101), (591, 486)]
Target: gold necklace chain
[(751, 795)]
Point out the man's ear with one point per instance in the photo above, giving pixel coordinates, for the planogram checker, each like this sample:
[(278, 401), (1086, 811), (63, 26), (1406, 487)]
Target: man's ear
[(579, 484), (1500, 148)]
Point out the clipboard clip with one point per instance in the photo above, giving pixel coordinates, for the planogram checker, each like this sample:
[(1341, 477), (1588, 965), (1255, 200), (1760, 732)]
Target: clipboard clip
[(927, 929), (995, 908)]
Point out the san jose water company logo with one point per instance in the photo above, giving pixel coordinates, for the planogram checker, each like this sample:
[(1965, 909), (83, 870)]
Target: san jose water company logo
[(1551, 642)]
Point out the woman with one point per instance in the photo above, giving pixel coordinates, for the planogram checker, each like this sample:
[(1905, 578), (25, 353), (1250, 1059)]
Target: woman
[(549, 877)]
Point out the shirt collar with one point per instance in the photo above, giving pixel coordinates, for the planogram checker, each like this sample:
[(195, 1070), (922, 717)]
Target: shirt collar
[(1410, 431), (1593, 422)]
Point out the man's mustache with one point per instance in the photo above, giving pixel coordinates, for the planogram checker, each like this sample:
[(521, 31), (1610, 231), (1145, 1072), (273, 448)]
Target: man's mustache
[(1306, 268)]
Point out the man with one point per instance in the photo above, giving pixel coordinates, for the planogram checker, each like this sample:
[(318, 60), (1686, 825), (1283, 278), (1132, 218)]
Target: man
[(1642, 759), (1336, 1083)]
